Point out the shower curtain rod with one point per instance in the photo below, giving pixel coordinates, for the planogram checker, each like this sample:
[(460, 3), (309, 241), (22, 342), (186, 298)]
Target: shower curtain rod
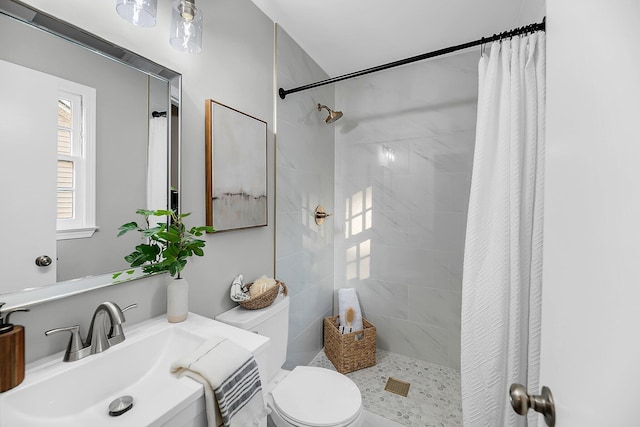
[(532, 28)]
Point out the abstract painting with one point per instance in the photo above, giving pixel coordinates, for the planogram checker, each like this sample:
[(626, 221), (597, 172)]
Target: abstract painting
[(236, 168)]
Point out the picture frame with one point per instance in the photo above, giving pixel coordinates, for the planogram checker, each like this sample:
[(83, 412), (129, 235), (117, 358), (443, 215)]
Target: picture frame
[(236, 168)]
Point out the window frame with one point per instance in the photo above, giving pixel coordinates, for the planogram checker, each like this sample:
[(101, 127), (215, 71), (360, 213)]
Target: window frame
[(83, 223)]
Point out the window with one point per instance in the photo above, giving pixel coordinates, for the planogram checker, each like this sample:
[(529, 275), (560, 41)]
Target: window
[(76, 161)]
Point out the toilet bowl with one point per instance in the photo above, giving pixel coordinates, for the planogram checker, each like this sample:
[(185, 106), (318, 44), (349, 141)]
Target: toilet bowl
[(306, 396), (314, 397)]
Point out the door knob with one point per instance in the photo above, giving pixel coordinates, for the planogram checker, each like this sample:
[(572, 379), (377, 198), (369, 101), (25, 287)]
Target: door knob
[(521, 401), (43, 261)]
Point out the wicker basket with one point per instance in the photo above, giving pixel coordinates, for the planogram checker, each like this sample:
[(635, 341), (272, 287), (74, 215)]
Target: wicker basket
[(347, 353), (266, 298)]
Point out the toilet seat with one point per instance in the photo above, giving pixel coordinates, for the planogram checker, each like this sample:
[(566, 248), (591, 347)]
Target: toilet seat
[(317, 397)]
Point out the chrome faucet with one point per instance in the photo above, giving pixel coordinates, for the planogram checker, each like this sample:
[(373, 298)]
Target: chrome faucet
[(99, 337)]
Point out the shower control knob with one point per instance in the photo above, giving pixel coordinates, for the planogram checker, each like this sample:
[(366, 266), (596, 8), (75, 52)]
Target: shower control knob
[(43, 261), (320, 215), (521, 402)]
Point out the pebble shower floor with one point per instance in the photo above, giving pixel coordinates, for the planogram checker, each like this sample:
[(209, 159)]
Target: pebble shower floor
[(434, 395)]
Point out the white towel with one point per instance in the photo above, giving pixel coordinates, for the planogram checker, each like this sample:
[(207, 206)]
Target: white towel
[(232, 387), (157, 168), (236, 293), (347, 297)]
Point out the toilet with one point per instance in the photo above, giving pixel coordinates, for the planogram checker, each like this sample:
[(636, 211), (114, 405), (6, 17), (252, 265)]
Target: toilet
[(306, 396)]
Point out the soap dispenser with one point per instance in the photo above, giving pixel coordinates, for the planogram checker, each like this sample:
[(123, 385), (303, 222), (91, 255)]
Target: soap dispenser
[(11, 351)]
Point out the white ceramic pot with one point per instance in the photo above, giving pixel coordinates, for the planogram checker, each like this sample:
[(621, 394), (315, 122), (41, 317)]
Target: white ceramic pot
[(177, 300)]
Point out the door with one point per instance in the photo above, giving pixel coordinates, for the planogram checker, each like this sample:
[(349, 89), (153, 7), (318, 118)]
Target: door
[(28, 129), (591, 284)]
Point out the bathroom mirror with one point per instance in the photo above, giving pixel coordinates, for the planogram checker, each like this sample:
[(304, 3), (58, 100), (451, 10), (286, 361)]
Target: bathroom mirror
[(63, 87)]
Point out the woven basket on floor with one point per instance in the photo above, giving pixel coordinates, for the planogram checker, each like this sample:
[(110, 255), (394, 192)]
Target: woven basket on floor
[(266, 298), (352, 351)]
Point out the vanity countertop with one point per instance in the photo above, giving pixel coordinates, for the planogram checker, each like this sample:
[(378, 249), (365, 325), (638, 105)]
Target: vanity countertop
[(57, 393)]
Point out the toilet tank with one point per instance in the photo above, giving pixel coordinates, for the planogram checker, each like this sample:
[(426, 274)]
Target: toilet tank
[(271, 322)]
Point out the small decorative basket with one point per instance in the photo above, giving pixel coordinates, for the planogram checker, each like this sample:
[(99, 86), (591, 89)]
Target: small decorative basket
[(352, 351), (266, 298)]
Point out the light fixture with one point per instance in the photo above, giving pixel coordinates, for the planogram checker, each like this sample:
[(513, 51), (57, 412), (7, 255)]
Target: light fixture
[(389, 154), (141, 13), (186, 26)]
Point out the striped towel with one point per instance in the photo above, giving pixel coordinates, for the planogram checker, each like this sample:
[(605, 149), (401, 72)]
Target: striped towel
[(232, 387)]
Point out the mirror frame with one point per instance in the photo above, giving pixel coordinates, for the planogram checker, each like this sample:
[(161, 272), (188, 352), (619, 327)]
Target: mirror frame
[(35, 18)]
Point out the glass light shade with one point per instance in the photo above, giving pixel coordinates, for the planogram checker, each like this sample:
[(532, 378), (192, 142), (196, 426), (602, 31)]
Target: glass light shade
[(141, 13), (186, 27)]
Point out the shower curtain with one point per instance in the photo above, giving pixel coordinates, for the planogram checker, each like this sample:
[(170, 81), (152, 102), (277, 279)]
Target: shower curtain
[(501, 290), (157, 167)]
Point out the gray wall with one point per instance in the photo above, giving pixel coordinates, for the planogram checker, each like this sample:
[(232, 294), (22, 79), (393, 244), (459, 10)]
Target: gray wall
[(404, 153), (305, 170), (121, 140), (235, 68)]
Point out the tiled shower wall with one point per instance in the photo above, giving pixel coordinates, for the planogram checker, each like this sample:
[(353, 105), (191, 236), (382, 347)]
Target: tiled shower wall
[(404, 152), (304, 179)]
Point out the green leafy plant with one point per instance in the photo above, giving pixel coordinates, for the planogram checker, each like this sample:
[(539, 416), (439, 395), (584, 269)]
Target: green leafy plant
[(168, 245)]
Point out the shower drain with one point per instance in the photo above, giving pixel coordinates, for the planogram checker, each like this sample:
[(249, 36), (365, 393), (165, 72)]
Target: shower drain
[(397, 386)]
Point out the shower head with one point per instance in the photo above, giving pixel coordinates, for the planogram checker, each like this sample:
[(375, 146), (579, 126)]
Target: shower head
[(333, 115)]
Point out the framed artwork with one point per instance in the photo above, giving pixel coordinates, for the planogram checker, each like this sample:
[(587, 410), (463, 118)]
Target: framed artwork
[(236, 168)]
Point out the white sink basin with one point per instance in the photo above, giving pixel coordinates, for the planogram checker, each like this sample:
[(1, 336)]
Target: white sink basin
[(56, 393)]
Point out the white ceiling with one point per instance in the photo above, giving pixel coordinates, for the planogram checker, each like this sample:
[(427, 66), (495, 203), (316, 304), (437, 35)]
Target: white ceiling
[(344, 36)]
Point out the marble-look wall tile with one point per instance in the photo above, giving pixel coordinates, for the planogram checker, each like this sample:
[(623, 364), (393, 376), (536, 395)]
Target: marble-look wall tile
[(457, 264), (291, 200), (289, 234), (460, 190), (294, 63), (438, 231), (411, 266), (304, 179), (309, 148), (400, 173), (437, 307), (442, 80), (448, 153), (303, 348), (390, 228), (290, 270), (405, 146), (454, 349), (390, 299), (309, 304), (385, 120), (412, 339), (290, 146), (318, 264)]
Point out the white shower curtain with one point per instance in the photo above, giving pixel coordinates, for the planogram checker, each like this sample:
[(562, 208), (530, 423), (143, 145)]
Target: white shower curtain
[(157, 167), (501, 290)]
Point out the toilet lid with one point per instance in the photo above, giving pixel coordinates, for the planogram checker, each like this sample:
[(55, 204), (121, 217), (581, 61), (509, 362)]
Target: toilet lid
[(317, 397)]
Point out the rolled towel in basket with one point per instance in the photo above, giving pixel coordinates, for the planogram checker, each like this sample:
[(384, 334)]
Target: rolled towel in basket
[(347, 297), (261, 285)]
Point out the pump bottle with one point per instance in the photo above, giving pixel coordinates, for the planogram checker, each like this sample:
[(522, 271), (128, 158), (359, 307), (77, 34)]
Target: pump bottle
[(11, 351)]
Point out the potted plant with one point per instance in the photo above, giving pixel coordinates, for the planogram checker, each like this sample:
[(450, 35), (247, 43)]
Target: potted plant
[(167, 248)]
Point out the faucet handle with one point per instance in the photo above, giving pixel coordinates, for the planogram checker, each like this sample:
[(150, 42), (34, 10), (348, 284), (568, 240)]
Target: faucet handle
[(116, 334), (129, 307), (117, 328), (75, 345)]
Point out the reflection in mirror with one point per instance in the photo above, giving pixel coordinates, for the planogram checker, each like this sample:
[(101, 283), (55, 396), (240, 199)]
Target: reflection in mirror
[(90, 133)]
